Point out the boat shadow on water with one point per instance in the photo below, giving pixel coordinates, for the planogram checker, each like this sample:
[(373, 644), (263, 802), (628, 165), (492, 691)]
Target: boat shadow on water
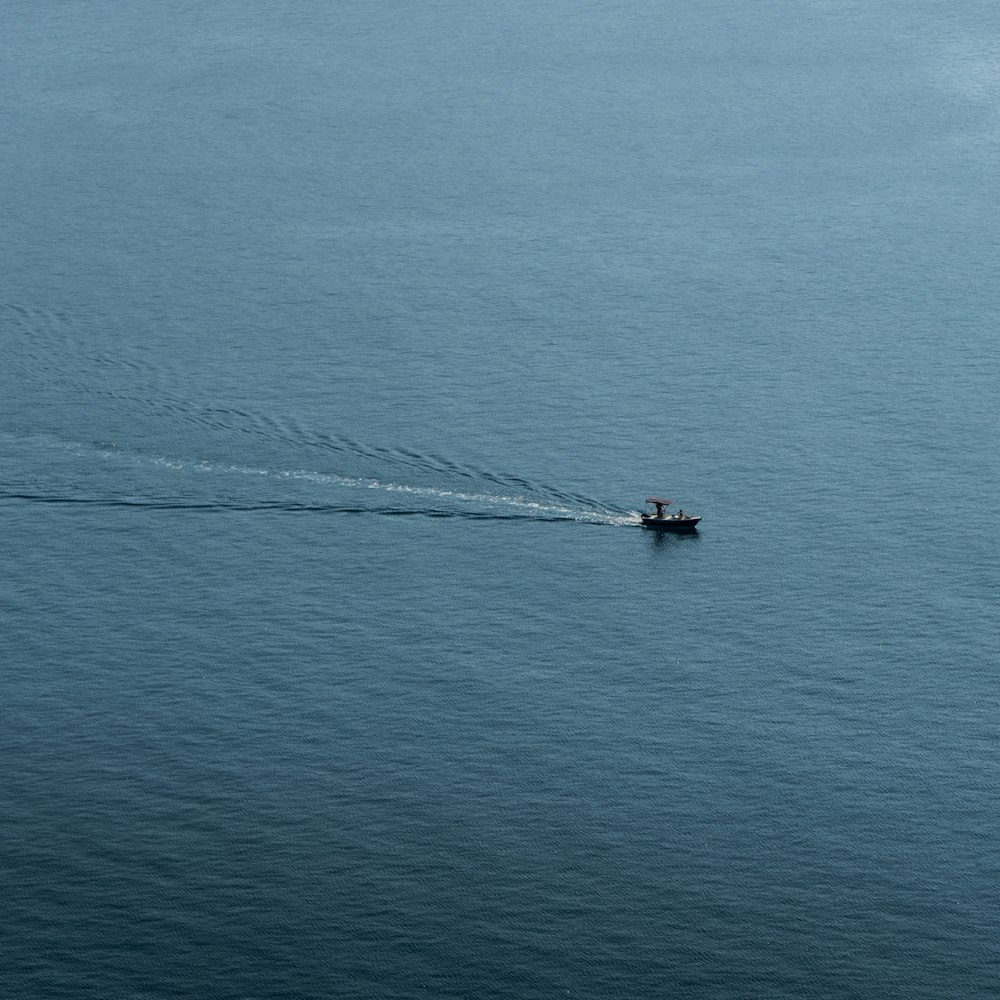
[(670, 539)]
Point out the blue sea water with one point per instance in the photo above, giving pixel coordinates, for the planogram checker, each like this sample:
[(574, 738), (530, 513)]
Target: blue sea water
[(339, 344)]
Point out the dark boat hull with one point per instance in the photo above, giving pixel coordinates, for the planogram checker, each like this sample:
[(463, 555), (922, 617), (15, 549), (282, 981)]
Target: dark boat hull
[(670, 523)]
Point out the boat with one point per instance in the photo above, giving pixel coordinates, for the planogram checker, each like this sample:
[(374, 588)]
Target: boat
[(668, 522)]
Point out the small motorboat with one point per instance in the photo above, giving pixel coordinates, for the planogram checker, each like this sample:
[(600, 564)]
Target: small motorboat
[(668, 522)]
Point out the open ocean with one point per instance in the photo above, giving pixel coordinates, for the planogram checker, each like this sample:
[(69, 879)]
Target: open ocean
[(339, 345)]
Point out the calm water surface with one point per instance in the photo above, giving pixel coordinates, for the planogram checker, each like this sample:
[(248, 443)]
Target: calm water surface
[(339, 344)]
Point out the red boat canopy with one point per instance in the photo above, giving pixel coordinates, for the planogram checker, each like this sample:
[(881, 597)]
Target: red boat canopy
[(658, 500)]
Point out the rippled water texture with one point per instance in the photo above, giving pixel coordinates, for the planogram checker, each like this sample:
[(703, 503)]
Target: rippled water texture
[(339, 345)]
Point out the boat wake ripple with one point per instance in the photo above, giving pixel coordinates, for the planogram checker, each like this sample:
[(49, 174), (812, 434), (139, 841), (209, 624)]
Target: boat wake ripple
[(235, 505), (411, 500)]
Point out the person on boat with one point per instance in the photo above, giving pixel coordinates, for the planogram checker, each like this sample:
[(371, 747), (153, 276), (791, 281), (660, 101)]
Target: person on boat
[(680, 513)]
